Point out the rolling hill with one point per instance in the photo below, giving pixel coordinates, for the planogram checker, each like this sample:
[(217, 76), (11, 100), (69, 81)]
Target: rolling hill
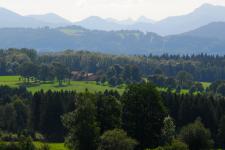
[(213, 30), (207, 39)]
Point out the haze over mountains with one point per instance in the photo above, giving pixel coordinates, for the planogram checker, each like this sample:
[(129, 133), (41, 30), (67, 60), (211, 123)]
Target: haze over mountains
[(202, 31), (10, 19), (52, 19), (203, 15), (207, 39)]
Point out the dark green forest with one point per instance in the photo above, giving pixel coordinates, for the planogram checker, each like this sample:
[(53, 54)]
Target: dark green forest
[(168, 71), (147, 116), (141, 118), (203, 67)]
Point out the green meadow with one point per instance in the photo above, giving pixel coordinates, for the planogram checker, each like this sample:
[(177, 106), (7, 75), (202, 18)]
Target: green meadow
[(79, 86), (52, 146)]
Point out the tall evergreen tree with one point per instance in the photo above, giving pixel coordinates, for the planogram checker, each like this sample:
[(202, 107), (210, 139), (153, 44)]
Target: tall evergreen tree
[(143, 114), (83, 131)]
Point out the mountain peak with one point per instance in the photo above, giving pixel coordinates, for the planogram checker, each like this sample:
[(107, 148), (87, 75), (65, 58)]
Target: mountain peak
[(5, 12), (143, 19), (93, 18), (51, 18), (3, 9), (207, 6)]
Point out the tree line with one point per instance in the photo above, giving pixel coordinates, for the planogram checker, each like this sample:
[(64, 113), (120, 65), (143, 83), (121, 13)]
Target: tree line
[(141, 118), (203, 67)]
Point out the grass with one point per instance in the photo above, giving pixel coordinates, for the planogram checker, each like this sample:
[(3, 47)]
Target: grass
[(52, 146), (79, 86), (206, 84), (11, 81), (163, 89), (185, 91)]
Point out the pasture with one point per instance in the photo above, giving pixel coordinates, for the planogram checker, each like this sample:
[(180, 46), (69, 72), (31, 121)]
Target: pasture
[(79, 86), (52, 146)]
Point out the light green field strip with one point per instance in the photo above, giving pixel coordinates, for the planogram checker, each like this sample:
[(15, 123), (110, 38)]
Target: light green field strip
[(79, 86)]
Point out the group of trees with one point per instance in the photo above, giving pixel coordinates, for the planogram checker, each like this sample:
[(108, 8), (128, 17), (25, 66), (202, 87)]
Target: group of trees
[(114, 117), (186, 108), (24, 143), (92, 115), (140, 118), (193, 136), (112, 68), (217, 87), (44, 72), (183, 80), (25, 62), (20, 112), (117, 75)]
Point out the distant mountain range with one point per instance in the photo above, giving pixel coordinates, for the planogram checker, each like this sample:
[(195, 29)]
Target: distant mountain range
[(207, 39), (201, 16), (9, 19), (202, 31), (52, 19), (214, 30), (97, 23)]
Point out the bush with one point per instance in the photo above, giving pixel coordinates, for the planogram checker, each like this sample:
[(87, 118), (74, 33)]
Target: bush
[(10, 137), (175, 145), (196, 136), (38, 137), (44, 147), (158, 148), (26, 143), (116, 139), (10, 146)]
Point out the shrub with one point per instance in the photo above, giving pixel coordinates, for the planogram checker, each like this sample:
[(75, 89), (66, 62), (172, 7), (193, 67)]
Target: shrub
[(116, 139), (196, 136)]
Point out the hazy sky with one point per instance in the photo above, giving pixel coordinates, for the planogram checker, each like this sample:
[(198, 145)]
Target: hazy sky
[(119, 9)]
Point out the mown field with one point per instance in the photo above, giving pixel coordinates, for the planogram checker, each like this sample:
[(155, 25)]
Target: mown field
[(52, 146), (79, 86)]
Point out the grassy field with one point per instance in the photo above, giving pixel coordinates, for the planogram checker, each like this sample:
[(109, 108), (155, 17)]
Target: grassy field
[(182, 91), (206, 84), (52, 146), (186, 91), (79, 86)]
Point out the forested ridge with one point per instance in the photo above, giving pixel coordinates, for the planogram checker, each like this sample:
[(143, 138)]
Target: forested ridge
[(208, 39)]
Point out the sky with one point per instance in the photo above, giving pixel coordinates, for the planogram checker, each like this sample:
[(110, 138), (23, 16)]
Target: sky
[(76, 10)]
